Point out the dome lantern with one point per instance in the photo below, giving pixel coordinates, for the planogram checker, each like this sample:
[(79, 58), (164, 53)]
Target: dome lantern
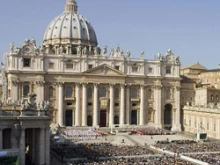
[(71, 6)]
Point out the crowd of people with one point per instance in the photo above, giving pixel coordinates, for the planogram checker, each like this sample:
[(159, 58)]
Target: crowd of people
[(212, 159), (81, 135), (153, 160), (95, 150), (186, 146), (150, 131)]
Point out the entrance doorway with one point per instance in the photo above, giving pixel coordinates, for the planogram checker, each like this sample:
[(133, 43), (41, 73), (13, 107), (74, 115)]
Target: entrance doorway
[(103, 118), (116, 119), (69, 118), (89, 121), (134, 117), (7, 133), (168, 116)]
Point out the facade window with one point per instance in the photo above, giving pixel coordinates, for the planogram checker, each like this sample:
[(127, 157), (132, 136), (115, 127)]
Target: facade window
[(51, 65), (150, 92), (168, 93), (103, 92), (116, 104), (26, 90), (90, 66), (134, 69), (89, 93), (150, 70), (51, 92), (116, 93), (26, 62), (217, 98), (212, 98), (117, 67), (133, 93), (168, 69), (214, 127), (207, 126), (69, 92), (190, 122), (69, 66)]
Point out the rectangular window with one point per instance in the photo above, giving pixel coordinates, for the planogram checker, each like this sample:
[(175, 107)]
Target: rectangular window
[(134, 104), (117, 67), (116, 104), (90, 66), (51, 65), (26, 62), (89, 104), (135, 69), (69, 66), (150, 70), (168, 69), (69, 103)]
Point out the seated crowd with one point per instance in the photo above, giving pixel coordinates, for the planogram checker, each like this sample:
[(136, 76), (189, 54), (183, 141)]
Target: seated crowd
[(186, 146), (94, 150), (153, 160), (150, 131), (212, 159), (80, 135)]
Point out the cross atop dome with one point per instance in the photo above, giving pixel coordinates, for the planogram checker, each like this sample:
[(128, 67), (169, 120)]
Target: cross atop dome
[(71, 6)]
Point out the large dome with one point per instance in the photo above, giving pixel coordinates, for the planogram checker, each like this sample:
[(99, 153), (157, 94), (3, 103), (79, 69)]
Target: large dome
[(70, 28)]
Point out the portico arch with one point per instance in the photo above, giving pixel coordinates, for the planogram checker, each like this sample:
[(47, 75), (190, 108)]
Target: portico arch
[(168, 109)]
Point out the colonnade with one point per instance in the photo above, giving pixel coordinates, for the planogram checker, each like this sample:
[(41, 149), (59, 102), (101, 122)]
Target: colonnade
[(81, 105)]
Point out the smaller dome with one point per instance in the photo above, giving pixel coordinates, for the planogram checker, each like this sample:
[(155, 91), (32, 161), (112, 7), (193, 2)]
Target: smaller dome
[(70, 28)]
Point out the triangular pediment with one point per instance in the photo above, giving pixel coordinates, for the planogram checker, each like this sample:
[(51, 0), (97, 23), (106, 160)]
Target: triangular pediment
[(104, 70)]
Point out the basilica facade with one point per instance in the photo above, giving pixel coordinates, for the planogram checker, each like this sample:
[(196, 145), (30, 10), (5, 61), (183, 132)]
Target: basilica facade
[(90, 86)]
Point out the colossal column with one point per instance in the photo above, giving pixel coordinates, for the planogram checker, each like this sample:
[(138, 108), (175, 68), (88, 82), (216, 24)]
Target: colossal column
[(40, 91), (47, 141), (111, 112), (128, 103), (42, 146), (122, 106), (22, 147), (77, 115), (95, 107), (14, 90), (1, 139), (60, 105), (157, 104), (84, 105), (177, 126), (142, 101)]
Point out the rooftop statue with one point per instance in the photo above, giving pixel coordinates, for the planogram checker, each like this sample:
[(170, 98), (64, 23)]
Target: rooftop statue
[(128, 54), (105, 50)]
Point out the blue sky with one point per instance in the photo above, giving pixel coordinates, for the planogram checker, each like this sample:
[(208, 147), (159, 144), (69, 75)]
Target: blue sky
[(191, 28)]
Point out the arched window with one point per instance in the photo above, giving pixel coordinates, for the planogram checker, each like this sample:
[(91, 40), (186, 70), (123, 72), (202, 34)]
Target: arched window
[(69, 91), (51, 92), (133, 93), (116, 93), (89, 93), (26, 90), (103, 92)]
